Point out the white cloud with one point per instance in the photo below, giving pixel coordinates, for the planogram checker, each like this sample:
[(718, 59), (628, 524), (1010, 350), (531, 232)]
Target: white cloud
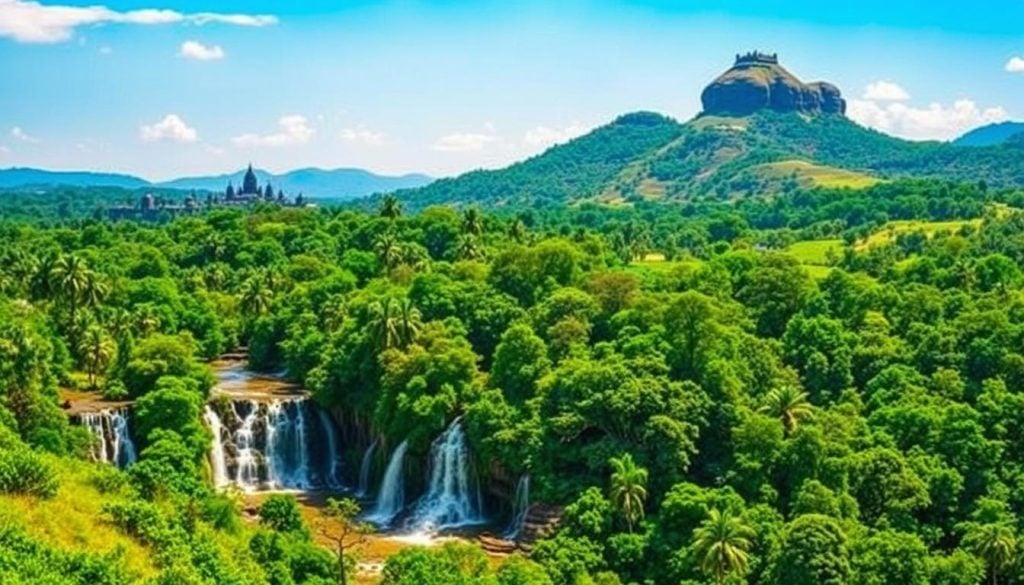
[(4, 149), (18, 134), (200, 52), (363, 136), (934, 122), (544, 136), (885, 91), (295, 129), (34, 22), (463, 142), (1015, 65), (106, 50), (171, 128)]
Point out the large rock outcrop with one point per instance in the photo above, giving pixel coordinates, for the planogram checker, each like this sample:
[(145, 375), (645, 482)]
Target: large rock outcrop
[(756, 81)]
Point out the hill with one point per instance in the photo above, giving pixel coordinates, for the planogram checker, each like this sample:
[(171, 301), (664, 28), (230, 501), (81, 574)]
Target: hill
[(993, 134), (317, 183), (27, 177), (648, 156)]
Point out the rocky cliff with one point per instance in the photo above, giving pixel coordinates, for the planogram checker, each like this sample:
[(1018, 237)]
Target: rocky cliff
[(756, 81)]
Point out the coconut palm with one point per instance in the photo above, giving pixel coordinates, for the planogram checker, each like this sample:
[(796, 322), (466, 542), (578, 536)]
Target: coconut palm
[(721, 543), (517, 231), (468, 248), (996, 544), (384, 323), (146, 320), (789, 405), (409, 322), (256, 296), (389, 251), (473, 222), (96, 349), (390, 207), (628, 488)]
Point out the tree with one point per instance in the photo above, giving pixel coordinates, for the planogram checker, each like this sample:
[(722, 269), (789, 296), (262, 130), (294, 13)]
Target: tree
[(389, 252), (390, 207), (410, 321), (789, 405), (628, 488), (280, 512), (996, 544), (813, 552), (473, 222), (256, 297), (722, 543), (385, 323), (96, 349), (340, 525)]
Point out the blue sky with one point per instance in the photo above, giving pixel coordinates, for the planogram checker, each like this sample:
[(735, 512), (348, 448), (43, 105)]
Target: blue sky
[(172, 88)]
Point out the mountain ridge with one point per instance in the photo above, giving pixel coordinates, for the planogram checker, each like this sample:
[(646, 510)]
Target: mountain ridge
[(340, 183)]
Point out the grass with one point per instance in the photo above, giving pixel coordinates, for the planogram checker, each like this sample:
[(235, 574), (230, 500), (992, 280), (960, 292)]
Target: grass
[(894, 228), (815, 252), (814, 175), (73, 519)]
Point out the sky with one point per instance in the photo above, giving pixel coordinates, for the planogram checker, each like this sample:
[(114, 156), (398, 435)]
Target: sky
[(171, 88)]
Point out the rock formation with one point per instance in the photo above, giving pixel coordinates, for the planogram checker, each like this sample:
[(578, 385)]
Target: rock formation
[(756, 81)]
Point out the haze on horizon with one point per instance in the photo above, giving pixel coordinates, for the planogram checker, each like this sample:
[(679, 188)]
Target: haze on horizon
[(164, 89)]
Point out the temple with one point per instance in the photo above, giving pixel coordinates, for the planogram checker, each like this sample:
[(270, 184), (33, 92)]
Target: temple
[(154, 208), (754, 57)]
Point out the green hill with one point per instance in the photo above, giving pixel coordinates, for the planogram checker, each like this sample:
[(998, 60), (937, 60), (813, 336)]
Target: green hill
[(645, 156), (993, 134)]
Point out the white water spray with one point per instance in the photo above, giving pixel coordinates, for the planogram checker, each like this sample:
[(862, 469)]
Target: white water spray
[(453, 497), (391, 496), (217, 460), (332, 480), (520, 507), (365, 468)]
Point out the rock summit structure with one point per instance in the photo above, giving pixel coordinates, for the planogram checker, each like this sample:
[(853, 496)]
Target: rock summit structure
[(756, 81)]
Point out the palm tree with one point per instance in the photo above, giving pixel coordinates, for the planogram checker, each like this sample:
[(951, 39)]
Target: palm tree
[(409, 322), (629, 488), (388, 251), (146, 320), (996, 544), (384, 323), (473, 222), (256, 296), (721, 543), (468, 248), (788, 405), (517, 231), (69, 279), (96, 349), (390, 207)]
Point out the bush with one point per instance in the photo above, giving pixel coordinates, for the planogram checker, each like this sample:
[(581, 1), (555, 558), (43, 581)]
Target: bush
[(24, 472), (280, 512), (115, 390)]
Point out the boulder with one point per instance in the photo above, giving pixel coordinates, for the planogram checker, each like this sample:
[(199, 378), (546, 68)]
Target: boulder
[(757, 81)]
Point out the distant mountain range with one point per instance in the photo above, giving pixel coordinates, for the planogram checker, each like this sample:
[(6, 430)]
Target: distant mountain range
[(317, 183), (993, 134)]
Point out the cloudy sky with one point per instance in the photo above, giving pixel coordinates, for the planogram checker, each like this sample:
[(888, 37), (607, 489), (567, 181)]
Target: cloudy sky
[(170, 88)]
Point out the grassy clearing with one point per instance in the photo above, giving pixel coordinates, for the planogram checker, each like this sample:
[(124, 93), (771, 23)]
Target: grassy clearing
[(73, 520), (815, 252), (814, 175), (893, 229)]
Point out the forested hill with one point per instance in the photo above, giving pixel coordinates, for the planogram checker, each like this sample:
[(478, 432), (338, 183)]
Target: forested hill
[(649, 156)]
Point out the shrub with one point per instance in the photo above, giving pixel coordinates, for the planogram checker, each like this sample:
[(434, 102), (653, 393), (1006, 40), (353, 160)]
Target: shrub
[(24, 472)]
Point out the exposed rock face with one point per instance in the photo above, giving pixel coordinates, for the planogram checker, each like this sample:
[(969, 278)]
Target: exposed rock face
[(756, 81)]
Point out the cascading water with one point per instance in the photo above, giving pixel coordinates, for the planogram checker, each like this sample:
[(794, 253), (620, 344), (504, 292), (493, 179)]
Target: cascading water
[(217, 459), (391, 497), (276, 444), (453, 498), (113, 438), (332, 480), (364, 469), (520, 507)]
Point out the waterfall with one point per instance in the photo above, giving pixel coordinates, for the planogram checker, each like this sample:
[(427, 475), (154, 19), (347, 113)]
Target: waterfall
[(217, 459), (364, 469), (520, 507), (247, 474), (453, 498), (332, 480), (113, 441), (278, 444), (391, 496)]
